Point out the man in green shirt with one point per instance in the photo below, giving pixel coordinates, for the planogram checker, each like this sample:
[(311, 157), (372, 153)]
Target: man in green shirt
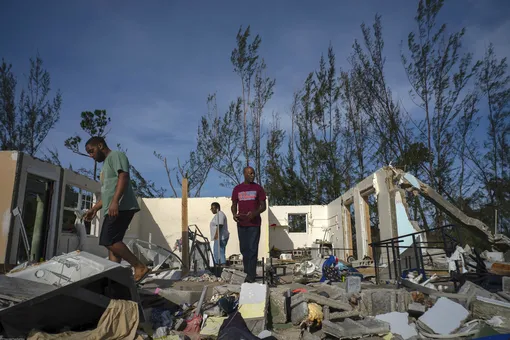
[(118, 203)]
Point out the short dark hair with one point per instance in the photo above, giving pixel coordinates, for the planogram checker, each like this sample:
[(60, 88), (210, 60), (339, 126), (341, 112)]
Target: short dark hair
[(216, 204), (95, 141)]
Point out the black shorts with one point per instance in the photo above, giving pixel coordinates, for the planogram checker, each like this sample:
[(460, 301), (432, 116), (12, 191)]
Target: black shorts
[(114, 228)]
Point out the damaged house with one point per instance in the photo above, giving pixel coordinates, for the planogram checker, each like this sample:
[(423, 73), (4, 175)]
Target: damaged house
[(41, 207)]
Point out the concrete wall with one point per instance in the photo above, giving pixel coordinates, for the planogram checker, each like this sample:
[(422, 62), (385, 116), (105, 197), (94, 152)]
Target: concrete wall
[(336, 217), (159, 222), (281, 238), (7, 174)]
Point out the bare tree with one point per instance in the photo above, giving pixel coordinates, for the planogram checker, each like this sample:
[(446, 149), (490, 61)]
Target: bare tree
[(438, 73), (25, 126)]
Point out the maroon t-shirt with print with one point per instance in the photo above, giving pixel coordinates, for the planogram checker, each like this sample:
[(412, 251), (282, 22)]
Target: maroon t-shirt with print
[(249, 197)]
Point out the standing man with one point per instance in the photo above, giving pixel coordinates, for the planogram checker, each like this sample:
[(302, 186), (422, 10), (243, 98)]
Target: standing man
[(248, 202), (118, 204), (219, 233)]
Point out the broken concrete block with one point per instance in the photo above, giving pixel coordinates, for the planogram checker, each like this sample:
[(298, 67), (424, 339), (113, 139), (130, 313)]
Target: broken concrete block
[(416, 309), (472, 290), (486, 309), (399, 324), (321, 300), (233, 276), (256, 325), (325, 312), (334, 292), (351, 329), (179, 296), (299, 313), (444, 317), (353, 284), (277, 301), (506, 284), (381, 301), (226, 289)]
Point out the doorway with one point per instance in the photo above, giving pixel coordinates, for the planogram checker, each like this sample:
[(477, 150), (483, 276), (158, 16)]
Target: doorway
[(36, 217)]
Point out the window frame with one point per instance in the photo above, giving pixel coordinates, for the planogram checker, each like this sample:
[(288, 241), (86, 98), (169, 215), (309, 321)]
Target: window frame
[(290, 221)]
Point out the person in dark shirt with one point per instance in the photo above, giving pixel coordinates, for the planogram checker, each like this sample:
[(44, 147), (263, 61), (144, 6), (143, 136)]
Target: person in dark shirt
[(248, 202)]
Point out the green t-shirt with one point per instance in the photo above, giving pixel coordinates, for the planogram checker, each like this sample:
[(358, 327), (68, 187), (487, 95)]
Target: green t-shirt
[(116, 161)]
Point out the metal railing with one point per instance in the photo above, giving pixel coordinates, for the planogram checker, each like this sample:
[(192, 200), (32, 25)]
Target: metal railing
[(447, 244)]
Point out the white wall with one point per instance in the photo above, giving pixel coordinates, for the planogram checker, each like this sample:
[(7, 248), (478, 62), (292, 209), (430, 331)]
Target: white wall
[(279, 236), (160, 222), (336, 222)]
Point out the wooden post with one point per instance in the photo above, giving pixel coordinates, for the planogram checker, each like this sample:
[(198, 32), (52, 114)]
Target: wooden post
[(185, 237)]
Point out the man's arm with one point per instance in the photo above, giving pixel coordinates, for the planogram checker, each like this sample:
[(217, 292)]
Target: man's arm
[(91, 213), (98, 205), (233, 208), (122, 183), (261, 209), (262, 202), (121, 165)]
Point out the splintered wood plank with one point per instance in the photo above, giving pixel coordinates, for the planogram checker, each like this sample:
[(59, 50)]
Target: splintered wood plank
[(21, 289)]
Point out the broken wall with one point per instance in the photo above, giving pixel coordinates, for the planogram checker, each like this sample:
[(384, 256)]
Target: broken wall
[(159, 222), (286, 237), (37, 188), (9, 161), (363, 214)]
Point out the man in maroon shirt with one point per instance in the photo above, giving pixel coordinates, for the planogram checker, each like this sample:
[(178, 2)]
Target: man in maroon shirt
[(248, 202)]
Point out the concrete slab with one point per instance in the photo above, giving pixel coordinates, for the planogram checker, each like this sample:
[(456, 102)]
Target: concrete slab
[(334, 292), (399, 324), (444, 317), (353, 329), (353, 285)]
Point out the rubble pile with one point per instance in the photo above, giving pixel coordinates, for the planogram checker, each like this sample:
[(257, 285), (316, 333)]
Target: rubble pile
[(328, 299)]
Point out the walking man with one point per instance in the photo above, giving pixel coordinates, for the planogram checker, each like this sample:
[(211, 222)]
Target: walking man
[(248, 202), (219, 233), (118, 204)]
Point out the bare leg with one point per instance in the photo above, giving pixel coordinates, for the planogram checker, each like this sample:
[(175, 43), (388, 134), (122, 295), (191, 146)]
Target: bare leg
[(114, 258), (122, 251)]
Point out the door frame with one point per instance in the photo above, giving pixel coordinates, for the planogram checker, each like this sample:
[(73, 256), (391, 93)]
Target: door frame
[(47, 171)]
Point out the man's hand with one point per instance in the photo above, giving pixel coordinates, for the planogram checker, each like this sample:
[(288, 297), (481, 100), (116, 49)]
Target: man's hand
[(113, 210), (250, 215), (236, 217), (90, 214)]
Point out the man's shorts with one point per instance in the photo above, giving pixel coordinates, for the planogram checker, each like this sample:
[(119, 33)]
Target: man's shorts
[(114, 228)]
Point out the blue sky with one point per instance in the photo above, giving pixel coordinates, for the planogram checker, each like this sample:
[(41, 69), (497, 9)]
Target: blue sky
[(152, 64)]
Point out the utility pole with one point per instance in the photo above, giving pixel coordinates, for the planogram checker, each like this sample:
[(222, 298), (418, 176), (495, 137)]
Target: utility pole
[(185, 236)]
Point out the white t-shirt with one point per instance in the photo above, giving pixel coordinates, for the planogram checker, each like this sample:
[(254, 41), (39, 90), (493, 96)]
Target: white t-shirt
[(219, 219)]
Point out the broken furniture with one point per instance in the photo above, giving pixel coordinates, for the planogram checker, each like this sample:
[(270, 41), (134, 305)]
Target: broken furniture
[(69, 290), (164, 264)]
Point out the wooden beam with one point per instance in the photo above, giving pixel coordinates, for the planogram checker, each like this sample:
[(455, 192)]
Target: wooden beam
[(185, 236)]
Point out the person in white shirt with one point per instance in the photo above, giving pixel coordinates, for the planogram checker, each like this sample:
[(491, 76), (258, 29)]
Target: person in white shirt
[(219, 233)]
